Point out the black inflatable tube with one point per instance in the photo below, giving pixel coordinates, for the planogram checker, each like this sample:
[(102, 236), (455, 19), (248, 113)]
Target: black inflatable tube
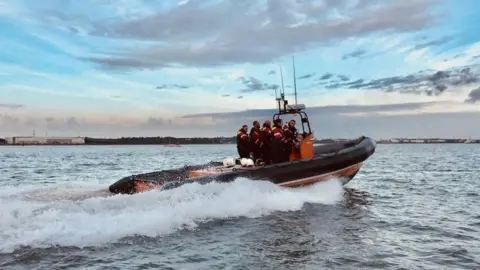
[(328, 158)]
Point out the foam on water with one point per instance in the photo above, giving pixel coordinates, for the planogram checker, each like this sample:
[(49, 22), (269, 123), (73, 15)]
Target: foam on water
[(89, 217)]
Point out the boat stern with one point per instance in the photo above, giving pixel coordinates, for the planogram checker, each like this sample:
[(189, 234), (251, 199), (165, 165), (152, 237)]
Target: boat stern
[(345, 175)]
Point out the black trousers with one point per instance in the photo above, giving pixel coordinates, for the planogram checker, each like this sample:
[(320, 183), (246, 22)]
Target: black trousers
[(278, 152), (266, 152), (257, 151), (243, 152)]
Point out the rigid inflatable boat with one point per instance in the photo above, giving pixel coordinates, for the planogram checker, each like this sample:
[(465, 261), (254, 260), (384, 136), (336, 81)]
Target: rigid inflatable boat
[(308, 164)]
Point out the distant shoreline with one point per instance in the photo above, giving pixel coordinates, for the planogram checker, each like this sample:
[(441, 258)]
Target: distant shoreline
[(145, 144), (478, 142), (112, 144), (180, 145), (178, 142), (428, 141)]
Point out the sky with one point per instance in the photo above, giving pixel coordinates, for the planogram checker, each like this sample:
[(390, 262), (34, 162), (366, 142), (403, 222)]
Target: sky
[(379, 68)]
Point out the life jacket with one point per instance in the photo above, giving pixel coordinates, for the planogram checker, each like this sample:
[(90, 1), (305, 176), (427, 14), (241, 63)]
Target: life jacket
[(255, 136), (266, 136), (242, 138), (277, 133)]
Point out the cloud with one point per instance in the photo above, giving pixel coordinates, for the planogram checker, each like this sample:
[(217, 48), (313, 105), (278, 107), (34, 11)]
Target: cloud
[(154, 122), (306, 76), (118, 126), (427, 119), (250, 32), (326, 76), (318, 110), (272, 72), (9, 122), (425, 82), (70, 123), (473, 96), (11, 105), (172, 86), (434, 42), (355, 54), (453, 58), (253, 85), (341, 80)]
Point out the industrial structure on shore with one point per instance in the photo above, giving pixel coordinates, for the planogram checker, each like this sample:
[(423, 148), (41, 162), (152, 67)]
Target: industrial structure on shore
[(433, 140), (29, 140)]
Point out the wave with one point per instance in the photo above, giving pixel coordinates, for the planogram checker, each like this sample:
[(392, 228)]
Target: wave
[(84, 216)]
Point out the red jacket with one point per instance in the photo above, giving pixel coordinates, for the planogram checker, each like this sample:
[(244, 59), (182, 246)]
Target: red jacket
[(266, 136), (288, 134), (255, 137), (242, 138), (277, 133)]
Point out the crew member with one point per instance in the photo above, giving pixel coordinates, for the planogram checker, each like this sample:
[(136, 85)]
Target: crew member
[(279, 142), (289, 132), (267, 139), (291, 126), (255, 141), (243, 142)]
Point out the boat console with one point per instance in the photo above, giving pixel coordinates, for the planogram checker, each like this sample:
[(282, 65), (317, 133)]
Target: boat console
[(305, 148)]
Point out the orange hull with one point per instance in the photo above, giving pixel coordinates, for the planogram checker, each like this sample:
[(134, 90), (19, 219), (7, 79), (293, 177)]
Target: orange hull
[(347, 172)]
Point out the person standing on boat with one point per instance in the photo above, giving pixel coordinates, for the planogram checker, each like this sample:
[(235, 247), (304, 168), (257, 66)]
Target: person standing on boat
[(289, 132), (255, 141), (267, 139), (279, 143), (243, 142), (293, 129)]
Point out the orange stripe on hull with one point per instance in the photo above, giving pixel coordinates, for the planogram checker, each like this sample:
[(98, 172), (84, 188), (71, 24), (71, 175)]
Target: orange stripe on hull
[(202, 173), (346, 172), (142, 186)]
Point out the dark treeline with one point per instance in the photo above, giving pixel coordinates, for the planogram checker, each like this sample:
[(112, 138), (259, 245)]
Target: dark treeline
[(161, 140), (3, 141)]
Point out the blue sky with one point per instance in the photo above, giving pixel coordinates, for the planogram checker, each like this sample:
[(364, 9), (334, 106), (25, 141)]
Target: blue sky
[(135, 67)]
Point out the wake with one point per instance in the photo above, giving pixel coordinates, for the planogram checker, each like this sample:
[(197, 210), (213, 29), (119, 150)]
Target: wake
[(89, 216)]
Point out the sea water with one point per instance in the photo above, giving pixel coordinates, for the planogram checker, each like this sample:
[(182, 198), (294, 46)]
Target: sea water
[(410, 207)]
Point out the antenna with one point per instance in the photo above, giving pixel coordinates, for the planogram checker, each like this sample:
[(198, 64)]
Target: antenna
[(281, 76), (294, 79), (282, 93)]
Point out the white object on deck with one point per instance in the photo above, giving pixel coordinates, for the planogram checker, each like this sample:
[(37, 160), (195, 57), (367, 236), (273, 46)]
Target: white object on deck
[(228, 162), (245, 162)]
